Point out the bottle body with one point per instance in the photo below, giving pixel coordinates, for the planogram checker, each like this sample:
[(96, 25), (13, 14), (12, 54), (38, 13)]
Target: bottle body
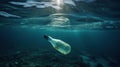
[(60, 45)]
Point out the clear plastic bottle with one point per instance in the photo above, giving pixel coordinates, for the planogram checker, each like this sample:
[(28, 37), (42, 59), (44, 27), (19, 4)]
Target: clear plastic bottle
[(59, 45)]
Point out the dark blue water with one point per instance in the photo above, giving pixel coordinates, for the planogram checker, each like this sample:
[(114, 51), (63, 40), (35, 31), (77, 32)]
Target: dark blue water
[(91, 27), (97, 43)]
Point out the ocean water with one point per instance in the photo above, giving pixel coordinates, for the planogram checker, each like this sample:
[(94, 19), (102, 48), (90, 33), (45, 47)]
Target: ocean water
[(90, 27)]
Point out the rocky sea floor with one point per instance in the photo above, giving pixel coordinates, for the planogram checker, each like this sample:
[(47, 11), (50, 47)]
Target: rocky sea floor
[(48, 58)]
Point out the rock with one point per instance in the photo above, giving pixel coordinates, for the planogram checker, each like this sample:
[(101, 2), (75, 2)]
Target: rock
[(17, 64), (81, 64), (25, 63)]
